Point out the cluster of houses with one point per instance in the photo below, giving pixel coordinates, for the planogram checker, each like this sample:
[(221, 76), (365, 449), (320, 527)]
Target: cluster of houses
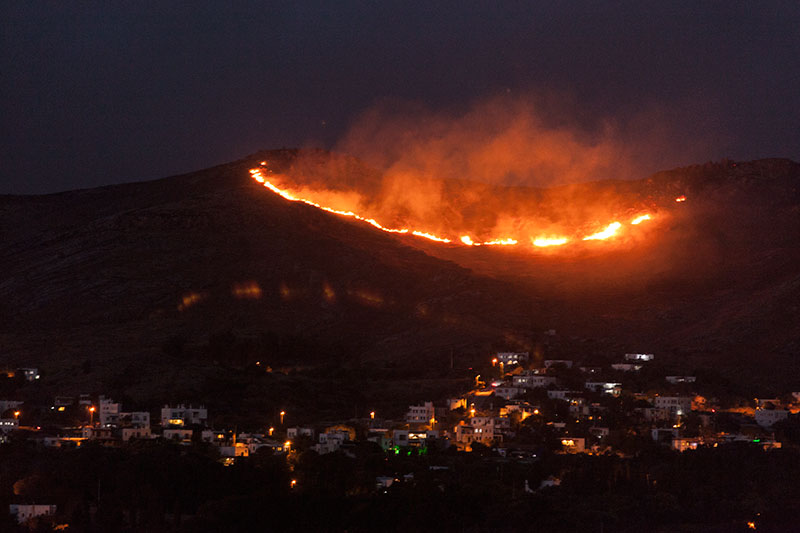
[(489, 415)]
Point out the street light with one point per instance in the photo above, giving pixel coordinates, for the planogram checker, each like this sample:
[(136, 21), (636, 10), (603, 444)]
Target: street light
[(271, 430), (283, 413), (372, 415), (91, 415)]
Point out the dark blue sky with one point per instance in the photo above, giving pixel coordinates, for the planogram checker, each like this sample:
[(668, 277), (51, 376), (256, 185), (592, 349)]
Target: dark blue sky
[(99, 93)]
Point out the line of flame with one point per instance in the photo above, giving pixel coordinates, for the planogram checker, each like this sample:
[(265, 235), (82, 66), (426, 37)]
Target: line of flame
[(610, 231), (543, 241)]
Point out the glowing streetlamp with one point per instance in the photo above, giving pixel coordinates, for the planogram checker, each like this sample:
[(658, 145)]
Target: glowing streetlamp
[(271, 430), (283, 413), (372, 415), (293, 484), (494, 361), (91, 415)]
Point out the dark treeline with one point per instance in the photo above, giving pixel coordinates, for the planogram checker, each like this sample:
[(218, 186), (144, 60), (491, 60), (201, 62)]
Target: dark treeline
[(158, 486)]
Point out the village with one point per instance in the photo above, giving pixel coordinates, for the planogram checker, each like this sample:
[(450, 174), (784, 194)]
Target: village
[(516, 411)]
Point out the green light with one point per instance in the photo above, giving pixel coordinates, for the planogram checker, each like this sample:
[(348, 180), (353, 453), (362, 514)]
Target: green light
[(756, 440)]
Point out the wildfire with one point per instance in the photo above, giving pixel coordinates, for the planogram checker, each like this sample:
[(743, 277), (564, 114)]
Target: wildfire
[(549, 241), (610, 231), (259, 175)]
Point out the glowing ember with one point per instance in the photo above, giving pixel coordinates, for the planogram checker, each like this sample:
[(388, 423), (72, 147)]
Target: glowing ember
[(466, 240), (250, 290), (610, 231), (549, 241), (680, 198), (638, 220)]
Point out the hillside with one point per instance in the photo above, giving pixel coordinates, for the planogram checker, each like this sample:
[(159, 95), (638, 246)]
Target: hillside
[(150, 288)]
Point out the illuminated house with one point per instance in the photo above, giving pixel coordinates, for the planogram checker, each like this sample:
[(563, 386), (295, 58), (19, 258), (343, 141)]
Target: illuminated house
[(626, 367), (404, 437), (294, 432), (25, 512), (420, 414), (530, 379), (183, 416), (512, 358), (608, 387), (675, 405), (136, 433), (30, 374), (8, 424), (509, 393), (331, 440), (109, 412), (573, 444), (135, 419), (639, 357)]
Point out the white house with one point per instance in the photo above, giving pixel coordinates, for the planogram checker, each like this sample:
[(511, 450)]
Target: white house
[(421, 414), (509, 393), (608, 387), (25, 512), (294, 432), (109, 412), (639, 357), (675, 405), (512, 358), (183, 416), (135, 419), (8, 424), (626, 367), (330, 441), (529, 379), (178, 434), (136, 433)]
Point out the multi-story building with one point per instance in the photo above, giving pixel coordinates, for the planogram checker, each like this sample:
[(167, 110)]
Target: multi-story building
[(183, 416), (420, 414), (675, 405)]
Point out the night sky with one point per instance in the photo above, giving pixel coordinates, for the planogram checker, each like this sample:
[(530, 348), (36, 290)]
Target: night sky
[(101, 93)]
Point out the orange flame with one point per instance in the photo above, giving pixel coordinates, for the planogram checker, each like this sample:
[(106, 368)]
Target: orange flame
[(610, 231), (549, 241), (258, 174), (680, 198)]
